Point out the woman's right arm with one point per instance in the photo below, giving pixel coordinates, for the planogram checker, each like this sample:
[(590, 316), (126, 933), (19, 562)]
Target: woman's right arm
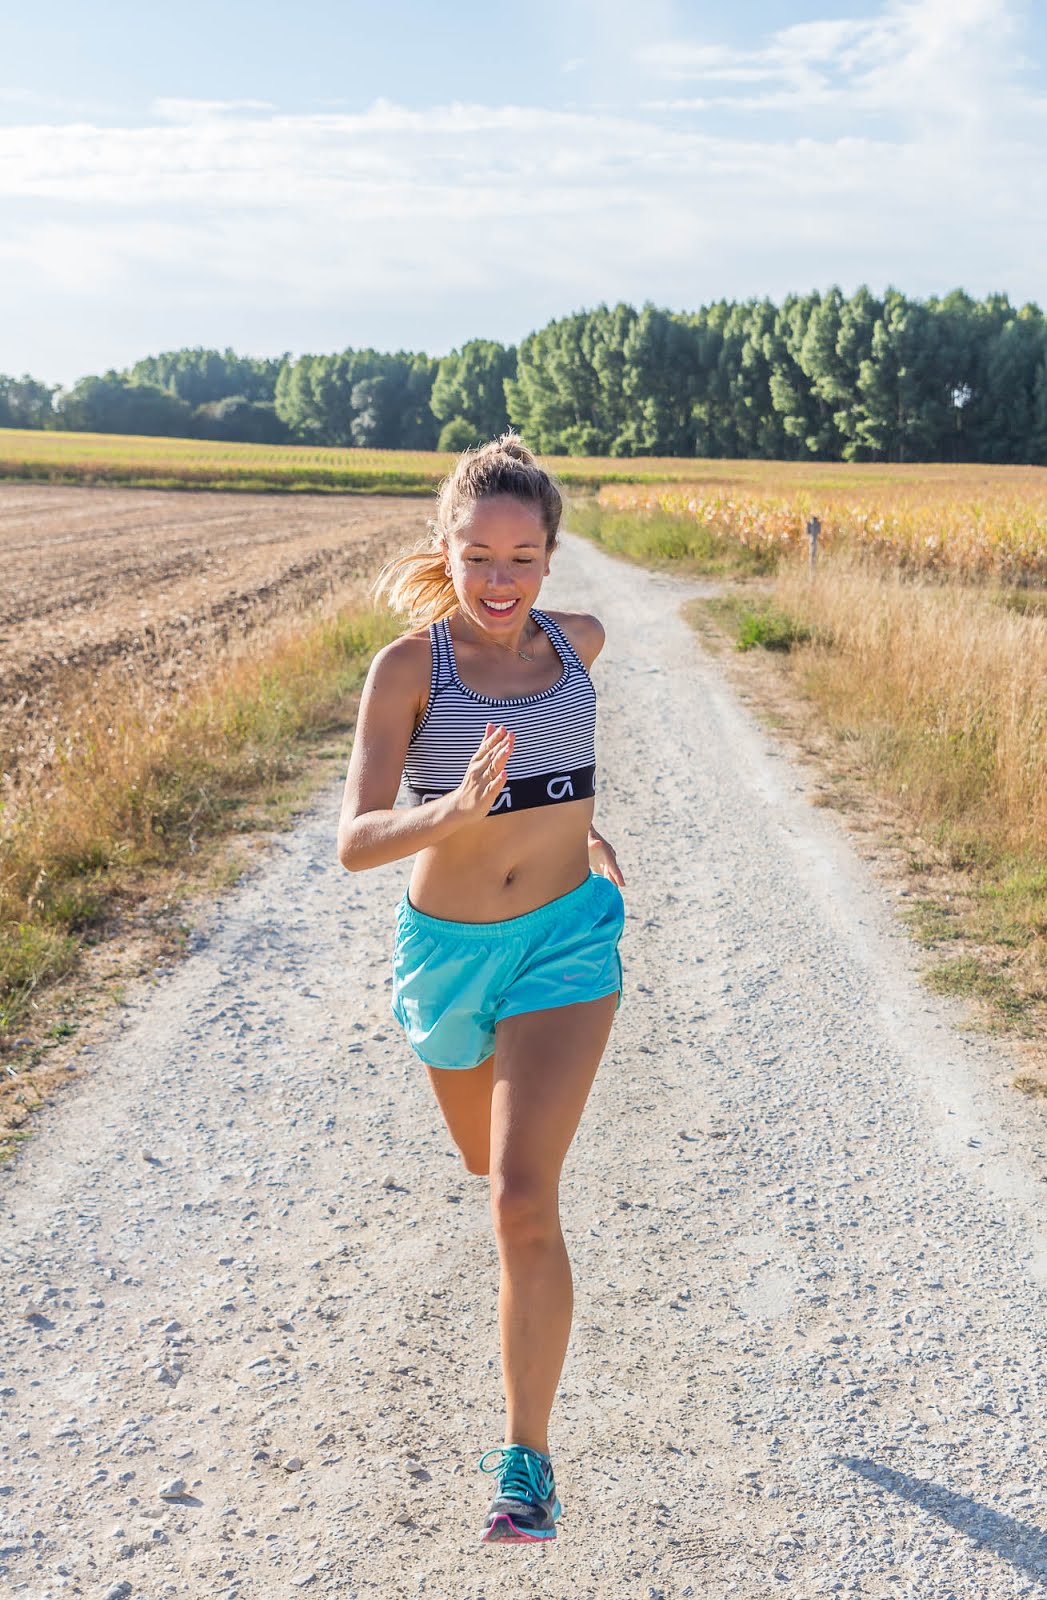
[(370, 831)]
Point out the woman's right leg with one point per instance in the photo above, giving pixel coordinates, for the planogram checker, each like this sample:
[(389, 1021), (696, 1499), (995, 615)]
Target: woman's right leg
[(465, 1100)]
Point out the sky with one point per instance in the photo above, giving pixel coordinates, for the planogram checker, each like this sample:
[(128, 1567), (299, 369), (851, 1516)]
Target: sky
[(410, 176)]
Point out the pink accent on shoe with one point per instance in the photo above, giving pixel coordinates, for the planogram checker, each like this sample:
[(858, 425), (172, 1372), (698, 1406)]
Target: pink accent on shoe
[(518, 1535)]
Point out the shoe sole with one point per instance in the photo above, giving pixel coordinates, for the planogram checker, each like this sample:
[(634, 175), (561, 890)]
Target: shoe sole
[(503, 1530)]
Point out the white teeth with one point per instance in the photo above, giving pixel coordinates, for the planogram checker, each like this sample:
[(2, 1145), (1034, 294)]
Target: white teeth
[(499, 605)]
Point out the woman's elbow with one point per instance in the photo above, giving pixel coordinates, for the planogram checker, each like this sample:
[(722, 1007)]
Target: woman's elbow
[(349, 850)]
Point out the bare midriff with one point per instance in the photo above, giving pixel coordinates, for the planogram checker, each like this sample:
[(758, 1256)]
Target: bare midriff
[(504, 866)]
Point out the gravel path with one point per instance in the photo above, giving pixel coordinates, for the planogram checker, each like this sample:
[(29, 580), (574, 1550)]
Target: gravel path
[(242, 1265)]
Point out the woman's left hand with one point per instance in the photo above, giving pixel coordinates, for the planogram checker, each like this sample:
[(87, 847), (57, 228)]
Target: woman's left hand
[(603, 859)]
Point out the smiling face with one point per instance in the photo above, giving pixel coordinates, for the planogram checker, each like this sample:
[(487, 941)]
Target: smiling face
[(498, 560)]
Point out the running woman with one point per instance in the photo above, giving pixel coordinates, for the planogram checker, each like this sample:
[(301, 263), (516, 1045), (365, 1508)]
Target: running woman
[(506, 973)]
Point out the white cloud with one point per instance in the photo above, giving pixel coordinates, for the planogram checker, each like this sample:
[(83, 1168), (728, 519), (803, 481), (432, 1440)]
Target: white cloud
[(915, 60), (309, 201), (471, 218)]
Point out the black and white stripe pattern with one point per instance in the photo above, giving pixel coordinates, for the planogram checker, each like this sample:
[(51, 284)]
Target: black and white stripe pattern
[(555, 730)]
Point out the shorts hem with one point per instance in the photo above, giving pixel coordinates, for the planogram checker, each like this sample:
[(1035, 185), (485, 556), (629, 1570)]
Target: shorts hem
[(568, 1000), (441, 1066), (438, 1065)]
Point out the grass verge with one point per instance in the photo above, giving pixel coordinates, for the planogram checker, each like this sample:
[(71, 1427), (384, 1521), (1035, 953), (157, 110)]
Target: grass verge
[(754, 621), (664, 540)]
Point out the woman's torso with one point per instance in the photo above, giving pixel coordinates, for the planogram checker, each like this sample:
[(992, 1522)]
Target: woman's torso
[(534, 847)]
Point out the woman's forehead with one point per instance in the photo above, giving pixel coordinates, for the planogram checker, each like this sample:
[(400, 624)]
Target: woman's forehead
[(501, 518)]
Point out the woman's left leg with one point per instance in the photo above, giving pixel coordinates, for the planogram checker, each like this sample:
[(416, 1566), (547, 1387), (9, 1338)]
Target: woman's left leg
[(544, 1066)]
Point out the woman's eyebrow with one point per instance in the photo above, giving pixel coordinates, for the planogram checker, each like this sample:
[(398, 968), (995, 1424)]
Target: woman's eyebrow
[(525, 544)]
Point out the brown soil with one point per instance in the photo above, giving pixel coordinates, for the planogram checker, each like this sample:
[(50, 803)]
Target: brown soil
[(155, 583)]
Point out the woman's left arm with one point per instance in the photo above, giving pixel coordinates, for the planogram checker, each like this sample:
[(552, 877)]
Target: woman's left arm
[(586, 634), (603, 859)]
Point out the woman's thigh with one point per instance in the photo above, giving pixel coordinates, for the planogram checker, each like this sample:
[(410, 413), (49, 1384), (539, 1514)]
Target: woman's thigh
[(544, 1066), (465, 1100)]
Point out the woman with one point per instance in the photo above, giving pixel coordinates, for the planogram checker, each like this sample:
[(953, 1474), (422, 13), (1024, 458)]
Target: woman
[(506, 974)]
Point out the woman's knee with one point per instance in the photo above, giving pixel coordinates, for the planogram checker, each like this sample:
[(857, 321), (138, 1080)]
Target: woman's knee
[(524, 1207)]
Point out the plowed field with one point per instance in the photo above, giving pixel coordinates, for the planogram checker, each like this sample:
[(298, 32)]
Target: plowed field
[(104, 582)]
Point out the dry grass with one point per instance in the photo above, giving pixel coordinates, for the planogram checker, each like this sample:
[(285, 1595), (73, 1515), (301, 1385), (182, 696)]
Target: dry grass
[(975, 522), (141, 461), (949, 689), (148, 777)]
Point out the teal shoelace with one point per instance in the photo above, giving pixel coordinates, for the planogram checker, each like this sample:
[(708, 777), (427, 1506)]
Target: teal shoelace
[(522, 1473)]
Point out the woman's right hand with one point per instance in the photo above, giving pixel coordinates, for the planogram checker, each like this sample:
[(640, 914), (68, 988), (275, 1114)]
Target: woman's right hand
[(485, 775)]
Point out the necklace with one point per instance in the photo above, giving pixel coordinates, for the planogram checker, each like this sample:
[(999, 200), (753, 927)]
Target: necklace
[(521, 653)]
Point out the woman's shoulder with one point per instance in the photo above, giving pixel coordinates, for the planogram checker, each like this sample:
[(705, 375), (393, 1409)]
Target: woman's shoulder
[(585, 632), (404, 665)]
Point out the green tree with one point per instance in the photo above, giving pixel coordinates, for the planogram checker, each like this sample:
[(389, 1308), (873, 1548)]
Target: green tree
[(25, 403), (805, 416), (659, 386), (906, 386), (832, 382), (470, 386), (712, 419), (554, 393), (202, 377), (1005, 414), (950, 379), (417, 428), (458, 434), (295, 403), (236, 417), (112, 404), (858, 318), (568, 396), (1038, 431), (359, 397)]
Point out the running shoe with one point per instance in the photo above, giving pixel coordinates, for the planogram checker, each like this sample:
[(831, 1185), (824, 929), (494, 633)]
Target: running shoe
[(525, 1508)]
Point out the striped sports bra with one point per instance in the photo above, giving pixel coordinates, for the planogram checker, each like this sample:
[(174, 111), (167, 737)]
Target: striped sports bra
[(554, 756)]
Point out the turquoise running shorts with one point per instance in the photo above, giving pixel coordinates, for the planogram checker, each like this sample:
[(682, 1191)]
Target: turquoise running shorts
[(453, 981)]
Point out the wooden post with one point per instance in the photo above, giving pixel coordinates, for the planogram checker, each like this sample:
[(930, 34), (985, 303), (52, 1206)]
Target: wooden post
[(814, 528)]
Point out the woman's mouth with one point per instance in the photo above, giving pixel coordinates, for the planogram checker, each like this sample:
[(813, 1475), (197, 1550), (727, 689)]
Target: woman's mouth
[(499, 608)]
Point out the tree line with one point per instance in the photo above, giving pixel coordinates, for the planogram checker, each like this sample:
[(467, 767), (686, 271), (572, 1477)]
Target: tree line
[(818, 377)]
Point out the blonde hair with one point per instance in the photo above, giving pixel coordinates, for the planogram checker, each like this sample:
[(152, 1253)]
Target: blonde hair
[(415, 583)]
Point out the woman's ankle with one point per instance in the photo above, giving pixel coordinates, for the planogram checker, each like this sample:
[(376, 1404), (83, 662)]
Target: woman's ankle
[(532, 1441)]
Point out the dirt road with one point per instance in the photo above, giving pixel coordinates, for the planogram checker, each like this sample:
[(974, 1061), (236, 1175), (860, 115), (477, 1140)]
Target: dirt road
[(805, 1213)]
